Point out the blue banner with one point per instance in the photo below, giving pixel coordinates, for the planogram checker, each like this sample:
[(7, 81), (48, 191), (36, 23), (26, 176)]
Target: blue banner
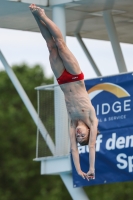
[(112, 98)]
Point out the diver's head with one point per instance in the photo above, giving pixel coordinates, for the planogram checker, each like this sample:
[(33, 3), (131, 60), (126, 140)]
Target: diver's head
[(82, 134)]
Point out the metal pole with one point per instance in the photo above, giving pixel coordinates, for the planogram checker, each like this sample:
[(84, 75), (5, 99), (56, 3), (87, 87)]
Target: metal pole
[(59, 18), (76, 193), (61, 117), (88, 54), (27, 103), (114, 41)]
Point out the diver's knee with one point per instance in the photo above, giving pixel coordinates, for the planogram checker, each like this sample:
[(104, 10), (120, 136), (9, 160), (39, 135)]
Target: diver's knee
[(51, 46), (53, 55), (60, 44)]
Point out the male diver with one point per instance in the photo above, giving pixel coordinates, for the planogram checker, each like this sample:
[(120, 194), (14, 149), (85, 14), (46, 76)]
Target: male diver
[(83, 126)]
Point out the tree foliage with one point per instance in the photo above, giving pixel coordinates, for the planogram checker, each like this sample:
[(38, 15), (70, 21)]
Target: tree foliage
[(19, 175)]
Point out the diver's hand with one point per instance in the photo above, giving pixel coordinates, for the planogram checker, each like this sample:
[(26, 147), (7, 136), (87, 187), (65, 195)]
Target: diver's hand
[(82, 174), (90, 175)]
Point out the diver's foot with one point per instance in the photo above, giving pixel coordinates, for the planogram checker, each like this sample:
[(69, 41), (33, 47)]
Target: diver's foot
[(37, 11)]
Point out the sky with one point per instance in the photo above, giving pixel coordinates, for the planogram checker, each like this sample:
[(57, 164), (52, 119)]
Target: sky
[(28, 47)]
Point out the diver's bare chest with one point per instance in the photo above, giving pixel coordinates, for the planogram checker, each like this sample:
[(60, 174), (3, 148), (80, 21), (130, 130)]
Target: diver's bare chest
[(78, 104), (78, 110)]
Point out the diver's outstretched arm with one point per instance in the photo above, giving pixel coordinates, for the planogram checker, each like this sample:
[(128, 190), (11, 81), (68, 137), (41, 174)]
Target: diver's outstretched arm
[(75, 153), (92, 141)]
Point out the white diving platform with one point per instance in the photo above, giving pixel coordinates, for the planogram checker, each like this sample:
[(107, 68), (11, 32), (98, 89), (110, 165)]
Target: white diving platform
[(55, 164)]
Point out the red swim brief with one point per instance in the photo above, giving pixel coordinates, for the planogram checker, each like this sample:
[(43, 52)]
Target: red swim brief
[(66, 77)]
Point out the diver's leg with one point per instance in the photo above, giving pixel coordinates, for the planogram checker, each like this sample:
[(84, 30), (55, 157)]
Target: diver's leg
[(55, 60), (69, 61)]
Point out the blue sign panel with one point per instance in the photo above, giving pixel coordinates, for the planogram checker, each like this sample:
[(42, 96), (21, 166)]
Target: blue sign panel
[(112, 98)]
